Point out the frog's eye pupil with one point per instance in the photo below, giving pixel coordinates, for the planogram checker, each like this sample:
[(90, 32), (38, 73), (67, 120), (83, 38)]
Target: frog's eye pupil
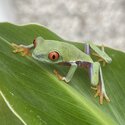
[(53, 55)]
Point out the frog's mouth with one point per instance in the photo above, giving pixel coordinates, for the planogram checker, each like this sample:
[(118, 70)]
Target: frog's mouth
[(38, 56)]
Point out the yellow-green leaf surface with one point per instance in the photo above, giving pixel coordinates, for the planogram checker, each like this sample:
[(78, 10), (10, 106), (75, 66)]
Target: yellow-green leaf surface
[(34, 96), (6, 116)]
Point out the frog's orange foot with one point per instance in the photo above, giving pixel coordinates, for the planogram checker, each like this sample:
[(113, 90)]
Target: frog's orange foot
[(19, 49), (58, 75), (101, 94)]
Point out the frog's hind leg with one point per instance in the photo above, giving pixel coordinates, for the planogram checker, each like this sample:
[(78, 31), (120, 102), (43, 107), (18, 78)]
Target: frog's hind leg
[(87, 48), (96, 77), (97, 80), (102, 93), (100, 53)]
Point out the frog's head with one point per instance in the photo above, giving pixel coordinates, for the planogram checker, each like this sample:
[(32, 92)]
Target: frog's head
[(46, 51)]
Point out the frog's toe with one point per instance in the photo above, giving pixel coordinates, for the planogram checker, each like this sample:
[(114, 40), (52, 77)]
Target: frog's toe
[(94, 88), (106, 97), (102, 95), (16, 48), (15, 51), (97, 89), (14, 45), (100, 58), (95, 54)]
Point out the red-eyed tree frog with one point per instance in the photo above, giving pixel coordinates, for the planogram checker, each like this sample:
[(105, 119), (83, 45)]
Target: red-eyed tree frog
[(55, 52)]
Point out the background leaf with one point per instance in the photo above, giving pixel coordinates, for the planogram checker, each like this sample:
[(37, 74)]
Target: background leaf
[(37, 97)]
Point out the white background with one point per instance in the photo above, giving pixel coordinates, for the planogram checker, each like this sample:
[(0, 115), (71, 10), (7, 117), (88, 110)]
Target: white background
[(101, 21)]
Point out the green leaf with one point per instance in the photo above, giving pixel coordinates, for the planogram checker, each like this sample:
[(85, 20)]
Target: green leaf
[(36, 97), (6, 116)]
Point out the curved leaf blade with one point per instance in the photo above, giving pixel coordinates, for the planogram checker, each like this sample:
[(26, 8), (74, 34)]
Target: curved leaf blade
[(40, 98)]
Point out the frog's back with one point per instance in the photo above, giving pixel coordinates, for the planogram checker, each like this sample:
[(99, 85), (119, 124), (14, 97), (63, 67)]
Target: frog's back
[(69, 52)]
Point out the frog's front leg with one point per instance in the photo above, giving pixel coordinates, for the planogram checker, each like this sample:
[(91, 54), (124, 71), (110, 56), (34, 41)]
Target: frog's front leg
[(25, 50), (70, 73), (97, 80)]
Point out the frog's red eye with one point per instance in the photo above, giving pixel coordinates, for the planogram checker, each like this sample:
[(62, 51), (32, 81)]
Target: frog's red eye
[(34, 43), (53, 55)]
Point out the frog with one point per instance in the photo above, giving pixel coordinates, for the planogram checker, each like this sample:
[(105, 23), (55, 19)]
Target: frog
[(65, 53)]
